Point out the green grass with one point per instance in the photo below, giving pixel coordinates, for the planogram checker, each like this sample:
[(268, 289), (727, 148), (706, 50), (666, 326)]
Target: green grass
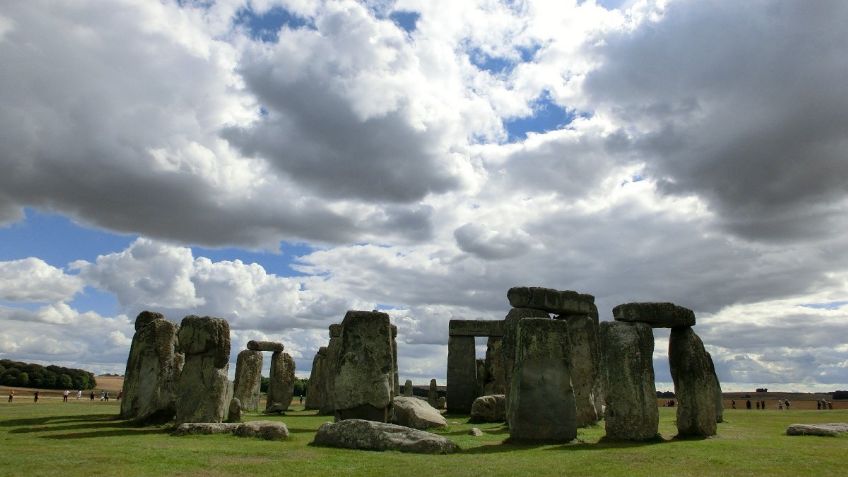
[(84, 438)]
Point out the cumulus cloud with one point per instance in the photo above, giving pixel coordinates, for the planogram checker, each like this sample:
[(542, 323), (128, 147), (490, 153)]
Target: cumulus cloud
[(34, 280)]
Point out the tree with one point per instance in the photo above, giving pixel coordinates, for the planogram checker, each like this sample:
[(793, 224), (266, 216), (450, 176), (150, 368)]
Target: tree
[(23, 379), (65, 381)]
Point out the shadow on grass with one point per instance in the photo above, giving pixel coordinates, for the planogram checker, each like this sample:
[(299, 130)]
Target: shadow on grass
[(41, 421), (101, 424), (507, 446), (111, 433)]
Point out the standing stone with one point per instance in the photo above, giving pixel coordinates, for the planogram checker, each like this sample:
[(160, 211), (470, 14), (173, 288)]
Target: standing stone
[(203, 388), (482, 376), (719, 397), (541, 398), (248, 379), (328, 406), (234, 414), (396, 381), (495, 382), (407, 388), (658, 315), (694, 384), (462, 374), (509, 340), (433, 394), (314, 389), (152, 368), (628, 367), (365, 376), (280, 383), (585, 363)]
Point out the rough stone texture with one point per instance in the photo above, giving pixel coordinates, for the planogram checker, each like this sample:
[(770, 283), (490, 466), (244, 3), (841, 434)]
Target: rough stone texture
[(416, 413), (830, 429), (462, 374), (265, 346), (380, 436), (658, 315), (195, 428), (628, 369), (482, 376), (396, 381), (268, 430), (541, 406), (475, 328), (365, 374), (495, 382), (510, 327), (407, 388), (234, 414), (153, 366), (433, 394), (552, 301), (331, 367), (248, 379), (719, 399), (442, 403), (490, 408), (280, 383), (203, 388), (475, 431), (314, 389), (694, 384), (585, 366)]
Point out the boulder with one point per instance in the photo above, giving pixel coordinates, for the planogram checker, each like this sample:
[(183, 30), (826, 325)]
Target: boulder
[(631, 397), (658, 315), (830, 429), (694, 384), (280, 383), (268, 430), (380, 436), (585, 359), (365, 374), (475, 431), (552, 301), (203, 388), (541, 400), (153, 365), (491, 408), (314, 389), (265, 346), (248, 379), (416, 413)]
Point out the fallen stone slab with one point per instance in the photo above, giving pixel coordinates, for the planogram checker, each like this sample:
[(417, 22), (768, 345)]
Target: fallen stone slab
[(491, 408), (830, 429), (265, 346), (380, 436), (658, 315), (195, 428), (268, 430), (565, 302), (416, 413)]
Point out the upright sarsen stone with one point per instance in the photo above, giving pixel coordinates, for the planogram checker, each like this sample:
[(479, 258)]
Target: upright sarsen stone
[(719, 397), (364, 380), (280, 383), (396, 381), (585, 358), (248, 379), (510, 327), (495, 382), (328, 406), (541, 401), (152, 368), (462, 374), (694, 384), (315, 390), (631, 395), (203, 388)]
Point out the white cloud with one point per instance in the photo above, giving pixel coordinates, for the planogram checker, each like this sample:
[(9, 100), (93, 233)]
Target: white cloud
[(33, 280)]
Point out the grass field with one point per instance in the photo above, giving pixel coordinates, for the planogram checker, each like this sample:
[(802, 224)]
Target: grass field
[(85, 438)]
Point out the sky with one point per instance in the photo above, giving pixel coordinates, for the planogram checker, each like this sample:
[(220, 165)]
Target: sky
[(278, 162)]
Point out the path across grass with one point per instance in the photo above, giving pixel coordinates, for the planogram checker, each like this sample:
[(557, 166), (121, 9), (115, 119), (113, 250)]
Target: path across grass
[(85, 438)]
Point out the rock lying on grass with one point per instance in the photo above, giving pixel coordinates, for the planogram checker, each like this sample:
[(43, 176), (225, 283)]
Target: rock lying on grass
[(416, 413), (491, 408), (379, 436), (268, 430), (830, 429)]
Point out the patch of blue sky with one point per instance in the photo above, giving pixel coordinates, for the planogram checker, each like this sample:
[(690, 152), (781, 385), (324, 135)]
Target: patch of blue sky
[(280, 264), (406, 20), (57, 240), (495, 65), (547, 116), (92, 299), (266, 27), (830, 305)]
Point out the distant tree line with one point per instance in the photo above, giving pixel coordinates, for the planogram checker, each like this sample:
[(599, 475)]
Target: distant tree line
[(665, 394), (299, 386), (840, 395), (15, 373)]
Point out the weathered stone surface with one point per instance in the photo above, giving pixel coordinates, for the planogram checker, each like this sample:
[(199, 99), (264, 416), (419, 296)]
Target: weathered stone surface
[(331, 364), (268, 430), (462, 374), (433, 394), (234, 414), (407, 388), (442, 403), (203, 388), (541, 406), (314, 389), (482, 377), (380, 436), (509, 340), (475, 431), (585, 361), (658, 315), (153, 365), (365, 376), (565, 302), (495, 377), (280, 383), (719, 399), (490, 408), (416, 413), (395, 371), (475, 328), (248, 379), (628, 369), (694, 384), (265, 346), (196, 428), (830, 429)]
